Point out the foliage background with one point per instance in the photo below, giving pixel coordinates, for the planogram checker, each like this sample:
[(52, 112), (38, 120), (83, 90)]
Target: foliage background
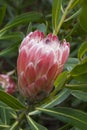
[(17, 19)]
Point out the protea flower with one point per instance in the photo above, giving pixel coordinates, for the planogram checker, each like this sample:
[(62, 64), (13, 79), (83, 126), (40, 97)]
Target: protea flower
[(41, 59), (7, 83)]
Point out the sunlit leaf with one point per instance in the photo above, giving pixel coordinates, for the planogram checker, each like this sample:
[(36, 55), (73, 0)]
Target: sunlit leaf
[(59, 82), (56, 12), (4, 126), (82, 87), (75, 3)]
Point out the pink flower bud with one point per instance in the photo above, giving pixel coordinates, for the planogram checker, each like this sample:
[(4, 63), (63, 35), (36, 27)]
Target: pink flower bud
[(7, 83), (41, 59)]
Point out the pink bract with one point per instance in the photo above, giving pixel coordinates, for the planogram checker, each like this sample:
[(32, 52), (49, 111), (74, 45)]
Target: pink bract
[(7, 83), (41, 59)]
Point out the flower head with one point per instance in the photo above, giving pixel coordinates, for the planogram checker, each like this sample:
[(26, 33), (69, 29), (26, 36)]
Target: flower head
[(7, 83), (41, 59)]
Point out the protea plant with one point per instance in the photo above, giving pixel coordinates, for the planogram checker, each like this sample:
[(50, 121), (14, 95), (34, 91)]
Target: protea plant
[(7, 83), (41, 59)]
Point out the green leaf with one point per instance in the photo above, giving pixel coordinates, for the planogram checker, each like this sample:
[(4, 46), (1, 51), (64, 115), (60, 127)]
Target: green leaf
[(82, 87), (2, 13), (59, 82), (84, 60), (29, 29), (4, 106), (71, 63), (78, 69), (4, 115), (24, 18), (14, 125), (73, 16), (56, 9), (62, 96), (13, 36), (42, 27), (34, 125), (83, 16), (65, 127), (80, 95), (82, 78), (79, 72), (11, 101), (74, 3), (72, 116), (9, 50), (4, 126), (82, 50)]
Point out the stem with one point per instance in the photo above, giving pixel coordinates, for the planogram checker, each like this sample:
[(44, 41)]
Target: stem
[(18, 121), (14, 125), (63, 17)]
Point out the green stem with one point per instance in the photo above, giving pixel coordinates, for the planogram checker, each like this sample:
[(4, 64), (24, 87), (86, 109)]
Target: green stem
[(63, 17), (18, 121), (14, 126)]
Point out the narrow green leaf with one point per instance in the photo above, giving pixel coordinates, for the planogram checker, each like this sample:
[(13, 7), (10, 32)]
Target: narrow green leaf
[(82, 87), (11, 101), (8, 50), (75, 3), (29, 29), (72, 116), (82, 50), (73, 16), (83, 15), (62, 96), (2, 13), (80, 95), (13, 36), (4, 126), (4, 106), (56, 12), (14, 126), (24, 18), (65, 127), (34, 125)]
